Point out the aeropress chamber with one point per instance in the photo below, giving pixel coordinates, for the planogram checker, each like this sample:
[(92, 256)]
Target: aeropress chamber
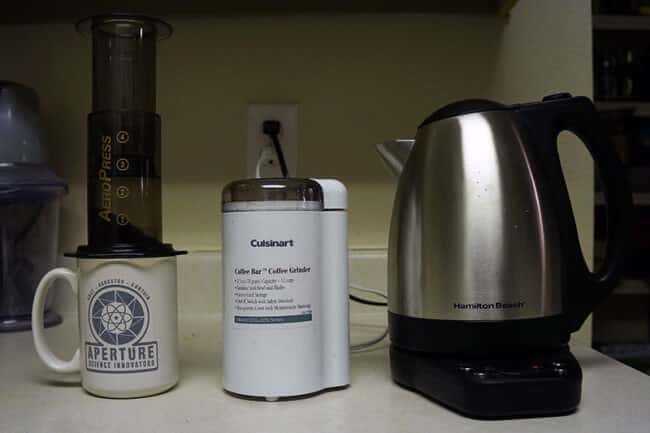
[(123, 159)]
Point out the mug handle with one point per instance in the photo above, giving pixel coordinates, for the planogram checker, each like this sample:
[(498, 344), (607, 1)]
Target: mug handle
[(38, 309)]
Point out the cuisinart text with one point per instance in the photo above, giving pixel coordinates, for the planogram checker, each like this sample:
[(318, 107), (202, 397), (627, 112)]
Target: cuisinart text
[(270, 243)]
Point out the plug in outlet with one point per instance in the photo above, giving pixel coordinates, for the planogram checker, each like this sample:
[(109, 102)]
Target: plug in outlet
[(258, 144)]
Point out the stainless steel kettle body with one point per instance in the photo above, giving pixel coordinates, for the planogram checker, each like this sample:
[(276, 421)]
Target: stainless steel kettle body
[(483, 250), (473, 235)]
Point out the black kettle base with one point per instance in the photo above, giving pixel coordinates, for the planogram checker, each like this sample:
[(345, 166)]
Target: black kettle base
[(493, 387)]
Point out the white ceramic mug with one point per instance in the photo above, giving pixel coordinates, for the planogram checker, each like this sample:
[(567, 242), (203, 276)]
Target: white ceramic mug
[(127, 324)]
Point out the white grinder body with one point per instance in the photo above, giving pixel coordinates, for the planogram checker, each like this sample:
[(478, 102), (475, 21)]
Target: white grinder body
[(285, 286)]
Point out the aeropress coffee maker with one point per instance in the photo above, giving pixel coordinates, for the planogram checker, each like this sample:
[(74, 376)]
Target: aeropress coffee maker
[(126, 275), (124, 168)]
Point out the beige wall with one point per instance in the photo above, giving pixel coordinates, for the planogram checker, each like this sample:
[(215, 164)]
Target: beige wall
[(359, 79), (546, 48)]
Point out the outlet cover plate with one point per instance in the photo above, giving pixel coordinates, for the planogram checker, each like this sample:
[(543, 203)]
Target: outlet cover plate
[(256, 141)]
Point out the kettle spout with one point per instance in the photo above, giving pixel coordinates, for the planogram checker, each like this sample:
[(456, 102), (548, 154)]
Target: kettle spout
[(394, 153)]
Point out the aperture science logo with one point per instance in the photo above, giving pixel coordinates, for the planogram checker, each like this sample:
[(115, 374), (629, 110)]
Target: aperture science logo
[(119, 319)]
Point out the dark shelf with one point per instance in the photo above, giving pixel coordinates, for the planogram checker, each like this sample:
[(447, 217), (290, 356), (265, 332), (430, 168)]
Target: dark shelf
[(31, 11), (639, 107), (632, 287), (621, 22), (639, 198)]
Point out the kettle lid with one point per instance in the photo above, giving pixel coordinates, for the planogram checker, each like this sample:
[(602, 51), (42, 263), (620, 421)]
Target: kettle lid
[(465, 106)]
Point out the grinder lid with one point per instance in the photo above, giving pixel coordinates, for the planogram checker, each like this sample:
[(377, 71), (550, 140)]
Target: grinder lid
[(279, 194)]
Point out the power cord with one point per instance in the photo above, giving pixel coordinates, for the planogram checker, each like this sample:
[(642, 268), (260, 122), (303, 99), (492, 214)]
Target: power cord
[(368, 301), (384, 334), (272, 129), (267, 154)]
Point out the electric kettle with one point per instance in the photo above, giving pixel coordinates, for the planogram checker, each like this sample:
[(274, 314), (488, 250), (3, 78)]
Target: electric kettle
[(484, 256)]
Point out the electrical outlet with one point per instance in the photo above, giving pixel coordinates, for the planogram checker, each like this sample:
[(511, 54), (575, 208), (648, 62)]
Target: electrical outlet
[(260, 145)]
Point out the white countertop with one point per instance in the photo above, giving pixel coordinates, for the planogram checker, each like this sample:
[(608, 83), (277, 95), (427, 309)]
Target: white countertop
[(615, 398)]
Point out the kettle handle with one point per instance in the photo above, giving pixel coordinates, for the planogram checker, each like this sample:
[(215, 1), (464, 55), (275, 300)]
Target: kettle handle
[(545, 121)]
